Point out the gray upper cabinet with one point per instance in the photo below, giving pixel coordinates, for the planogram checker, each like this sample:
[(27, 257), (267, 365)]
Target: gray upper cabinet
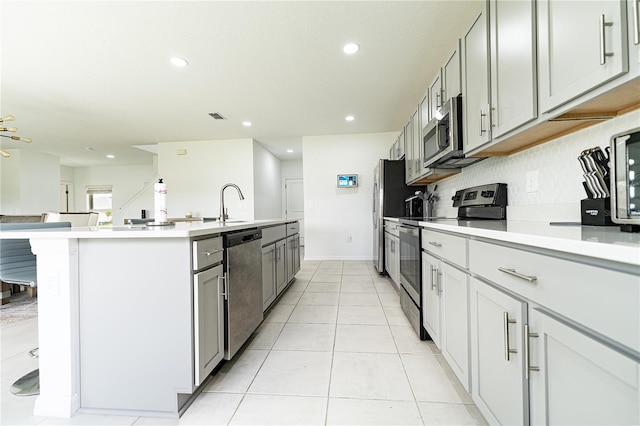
[(400, 154), (409, 160), (452, 83), (435, 96), (475, 69), (513, 64), (581, 46)]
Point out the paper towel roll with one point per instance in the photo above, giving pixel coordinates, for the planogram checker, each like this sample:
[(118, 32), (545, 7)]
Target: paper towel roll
[(160, 202)]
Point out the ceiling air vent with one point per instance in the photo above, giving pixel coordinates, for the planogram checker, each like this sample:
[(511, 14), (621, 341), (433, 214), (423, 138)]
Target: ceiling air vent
[(216, 116)]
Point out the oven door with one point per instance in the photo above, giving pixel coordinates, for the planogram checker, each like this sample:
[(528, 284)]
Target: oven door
[(410, 265)]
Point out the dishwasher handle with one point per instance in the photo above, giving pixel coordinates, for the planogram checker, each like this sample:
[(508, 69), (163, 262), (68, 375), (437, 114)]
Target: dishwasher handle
[(242, 237)]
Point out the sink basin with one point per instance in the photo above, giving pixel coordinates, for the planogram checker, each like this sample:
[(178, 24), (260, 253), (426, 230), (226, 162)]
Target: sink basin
[(234, 221), (192, 219)]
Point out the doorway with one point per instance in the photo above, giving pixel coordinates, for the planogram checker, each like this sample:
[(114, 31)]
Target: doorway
[(294, 203)]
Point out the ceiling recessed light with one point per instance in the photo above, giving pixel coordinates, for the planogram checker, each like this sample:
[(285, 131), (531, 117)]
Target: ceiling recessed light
[(290, 151), (351, 48), (350, 118), (111, 156), (179, 62), (246, 123)]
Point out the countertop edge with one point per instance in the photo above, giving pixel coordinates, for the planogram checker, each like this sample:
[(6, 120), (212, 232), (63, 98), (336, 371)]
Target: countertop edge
[(179, 230)]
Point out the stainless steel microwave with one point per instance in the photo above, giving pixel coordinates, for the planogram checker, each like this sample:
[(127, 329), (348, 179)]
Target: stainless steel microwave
[(625, 179), (442, 138)]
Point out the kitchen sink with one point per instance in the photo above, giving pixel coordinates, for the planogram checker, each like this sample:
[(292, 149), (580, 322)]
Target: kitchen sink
[(192, 219)]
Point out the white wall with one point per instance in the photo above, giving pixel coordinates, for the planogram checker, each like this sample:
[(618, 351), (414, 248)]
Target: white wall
[(30, 182), (194, 180), (560, 175), (292, 169), (267, 173), (125, 181), (332, 214)]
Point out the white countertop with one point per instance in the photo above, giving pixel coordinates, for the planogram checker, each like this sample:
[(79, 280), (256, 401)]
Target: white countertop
[(601, 242), (178, 230)]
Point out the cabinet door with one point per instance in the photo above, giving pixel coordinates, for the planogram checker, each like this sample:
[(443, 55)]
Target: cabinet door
[(475, 74), (387, 253), (579, 48), (455, 321), (417, 146), (452, 83), (268, 275), (431, 297), (395, 259), (424, 113), (296, 254), (498, 382), (435, 95), (580, 380), (208, 322), (513, 65), (281, 266), (289, 263), (409, 159), (401, 146)]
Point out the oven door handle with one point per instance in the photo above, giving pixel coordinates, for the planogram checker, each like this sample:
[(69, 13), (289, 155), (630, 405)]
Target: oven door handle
[(406, 230)]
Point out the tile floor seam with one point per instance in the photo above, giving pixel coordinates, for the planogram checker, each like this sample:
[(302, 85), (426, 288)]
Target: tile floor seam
[(333, 352)]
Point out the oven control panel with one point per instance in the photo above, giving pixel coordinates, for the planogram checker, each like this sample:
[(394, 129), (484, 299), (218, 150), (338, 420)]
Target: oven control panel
[(494, 194)]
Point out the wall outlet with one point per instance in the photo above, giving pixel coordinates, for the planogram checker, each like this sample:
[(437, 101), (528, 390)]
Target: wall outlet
[(349, 239), (532, 181)]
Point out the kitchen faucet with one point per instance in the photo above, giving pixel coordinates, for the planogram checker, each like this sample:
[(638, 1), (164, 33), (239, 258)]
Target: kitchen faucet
[(223, 216)]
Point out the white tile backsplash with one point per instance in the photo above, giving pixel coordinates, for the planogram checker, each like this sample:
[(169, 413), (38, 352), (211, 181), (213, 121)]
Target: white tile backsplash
[(560, 175)]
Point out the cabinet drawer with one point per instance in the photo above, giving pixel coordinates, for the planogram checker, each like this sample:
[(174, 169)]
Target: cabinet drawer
[(293, 228), (392, 228), (600, 299), (446, 246), (207, 252), (273, 233)]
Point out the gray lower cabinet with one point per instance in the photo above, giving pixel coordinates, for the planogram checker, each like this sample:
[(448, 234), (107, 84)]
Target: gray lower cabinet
[(268, 275), (280, 260), (208, 321), (499, 389)]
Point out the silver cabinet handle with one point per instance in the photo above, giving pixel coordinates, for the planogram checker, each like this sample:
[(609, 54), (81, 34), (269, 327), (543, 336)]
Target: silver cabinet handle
[(439, 281), (481, 116), (433, 278), (527, 361), (603, 51), (438, 101), (530, 278), (435, 244), (211, 253), (224, 286), (507, 351), (636, 22)]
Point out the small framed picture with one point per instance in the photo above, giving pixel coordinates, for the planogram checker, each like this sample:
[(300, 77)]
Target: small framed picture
[(347, 181)]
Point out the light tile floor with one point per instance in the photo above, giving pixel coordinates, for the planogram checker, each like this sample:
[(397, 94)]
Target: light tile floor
[(336, 350)]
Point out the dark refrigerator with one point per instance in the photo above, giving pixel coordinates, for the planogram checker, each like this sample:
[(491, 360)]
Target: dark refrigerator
[(389, 193)]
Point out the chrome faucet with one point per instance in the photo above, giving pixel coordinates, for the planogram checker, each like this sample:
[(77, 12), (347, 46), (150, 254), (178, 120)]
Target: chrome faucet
[(223, 215)]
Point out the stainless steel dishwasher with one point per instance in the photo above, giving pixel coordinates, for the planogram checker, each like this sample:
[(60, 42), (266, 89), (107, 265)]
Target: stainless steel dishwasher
[(243, 287)]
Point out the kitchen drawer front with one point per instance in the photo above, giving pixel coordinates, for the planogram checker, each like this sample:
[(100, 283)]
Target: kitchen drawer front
[(207, 252), (293, 228), (599, 299), (449, 247), (392, 228), (273, 233)]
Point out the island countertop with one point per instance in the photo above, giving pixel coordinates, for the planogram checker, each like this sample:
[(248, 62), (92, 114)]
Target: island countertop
[(177, 230)]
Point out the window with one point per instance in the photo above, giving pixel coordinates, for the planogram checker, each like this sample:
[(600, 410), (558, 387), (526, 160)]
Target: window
[(99, 199)]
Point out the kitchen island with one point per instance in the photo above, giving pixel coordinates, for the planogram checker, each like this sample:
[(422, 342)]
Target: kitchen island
[(118, 316)]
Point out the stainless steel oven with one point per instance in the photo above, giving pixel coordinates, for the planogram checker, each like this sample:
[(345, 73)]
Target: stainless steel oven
[(410, 275)]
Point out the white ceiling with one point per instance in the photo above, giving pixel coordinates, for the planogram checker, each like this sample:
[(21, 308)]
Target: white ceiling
[(81, 74)]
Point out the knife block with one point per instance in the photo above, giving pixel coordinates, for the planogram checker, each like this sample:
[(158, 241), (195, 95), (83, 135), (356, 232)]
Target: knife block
[(596, 211)]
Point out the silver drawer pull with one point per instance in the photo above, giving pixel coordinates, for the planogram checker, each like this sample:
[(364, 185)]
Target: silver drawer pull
[(211, 253), (530, 278), (433, 243)]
